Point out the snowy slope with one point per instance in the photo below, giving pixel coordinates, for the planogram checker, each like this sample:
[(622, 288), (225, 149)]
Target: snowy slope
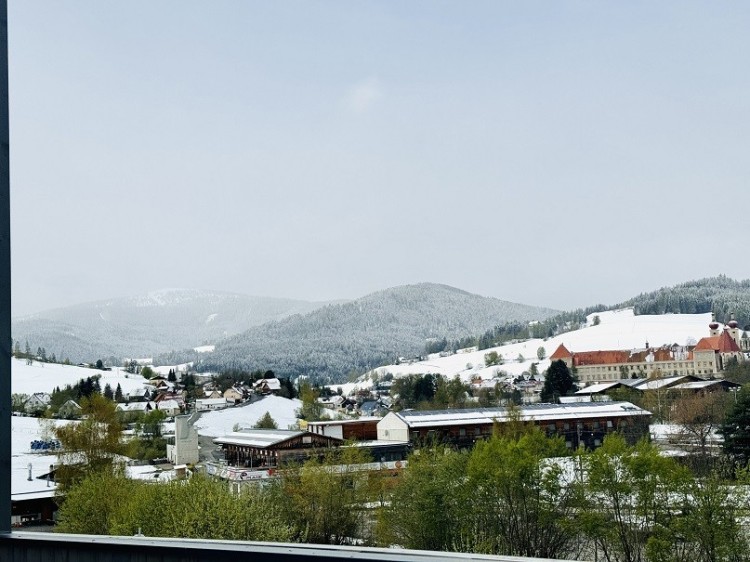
[(620, 329), (24, 431), (221, 422), (44, 377)]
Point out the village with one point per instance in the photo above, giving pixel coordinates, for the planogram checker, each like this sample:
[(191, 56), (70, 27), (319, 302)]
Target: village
[(250, 430)]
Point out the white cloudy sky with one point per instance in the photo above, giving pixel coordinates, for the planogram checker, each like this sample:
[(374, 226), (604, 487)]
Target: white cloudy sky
[(553, 153)]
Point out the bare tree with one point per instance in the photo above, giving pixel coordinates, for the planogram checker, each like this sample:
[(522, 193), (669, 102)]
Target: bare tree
[(699, 416)]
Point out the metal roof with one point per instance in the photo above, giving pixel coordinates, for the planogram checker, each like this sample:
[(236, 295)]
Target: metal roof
[(258, 437), (535, 412), (697, 385)]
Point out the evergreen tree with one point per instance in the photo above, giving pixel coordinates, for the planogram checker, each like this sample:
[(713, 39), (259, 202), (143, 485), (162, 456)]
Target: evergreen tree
[(118, 393), (736, 428), (108, 394), (558, 381), (266, 422)]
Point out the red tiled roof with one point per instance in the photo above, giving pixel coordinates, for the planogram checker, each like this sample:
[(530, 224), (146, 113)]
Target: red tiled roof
[(707, 344), (561, 353), (601, 357), (723, 344), (727, 343), (663, 354)]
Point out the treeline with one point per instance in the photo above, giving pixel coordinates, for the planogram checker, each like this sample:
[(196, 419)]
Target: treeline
[(514, 331), (435, 391), (519, 493), (43, 356), (720, 295)]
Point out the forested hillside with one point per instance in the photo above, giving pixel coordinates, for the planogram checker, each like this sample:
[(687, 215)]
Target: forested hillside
[(157, 322), (356, 336), (720, 295)]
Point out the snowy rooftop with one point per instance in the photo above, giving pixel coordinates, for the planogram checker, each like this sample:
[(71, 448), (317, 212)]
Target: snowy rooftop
[(258, 437), (697, 385), (135, 406), (656, 384), (602, 386), (599, 387), (536, 412)]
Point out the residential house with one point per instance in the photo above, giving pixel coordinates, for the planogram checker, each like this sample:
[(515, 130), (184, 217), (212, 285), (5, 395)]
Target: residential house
[(233, 395), (334, 402), (204, 404), (169, 407), (178, 397), (267, 386), (136, 407), (37, 402), (70, 409)]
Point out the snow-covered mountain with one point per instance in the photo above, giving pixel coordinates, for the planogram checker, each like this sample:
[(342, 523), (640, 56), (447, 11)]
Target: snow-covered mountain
[(332, 341), (149, 324)]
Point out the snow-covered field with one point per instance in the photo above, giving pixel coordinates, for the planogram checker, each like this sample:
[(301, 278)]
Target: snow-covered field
[(221, 422), (44, 377), (25, 430), (619, 329)]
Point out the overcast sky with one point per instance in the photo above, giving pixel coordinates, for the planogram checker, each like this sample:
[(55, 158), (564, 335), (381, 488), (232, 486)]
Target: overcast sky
[(551, 153)]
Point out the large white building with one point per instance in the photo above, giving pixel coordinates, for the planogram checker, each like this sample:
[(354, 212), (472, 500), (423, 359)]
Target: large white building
[(706, 359), (578, 423)]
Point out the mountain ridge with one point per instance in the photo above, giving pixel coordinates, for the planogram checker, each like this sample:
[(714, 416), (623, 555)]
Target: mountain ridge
[(336, 339)]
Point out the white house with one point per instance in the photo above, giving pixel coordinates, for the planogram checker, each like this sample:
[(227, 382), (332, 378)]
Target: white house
[(37, 402), (203, 404), (266, 386), (169, 407), (143, 407)]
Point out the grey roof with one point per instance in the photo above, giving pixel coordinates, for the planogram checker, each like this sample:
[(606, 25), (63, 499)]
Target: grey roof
[(258, 437), (536, 412), (697, 385)]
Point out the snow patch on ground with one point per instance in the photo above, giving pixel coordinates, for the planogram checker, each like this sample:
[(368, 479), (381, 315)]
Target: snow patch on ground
[(204, 348), (163, 370), (221, 422), (24, 431)]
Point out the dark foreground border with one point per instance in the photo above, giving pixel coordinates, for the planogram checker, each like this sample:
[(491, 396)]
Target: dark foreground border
[(52, 547)]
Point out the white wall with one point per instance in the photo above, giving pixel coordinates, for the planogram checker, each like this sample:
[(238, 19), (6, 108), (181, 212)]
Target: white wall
[(393, 428)]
